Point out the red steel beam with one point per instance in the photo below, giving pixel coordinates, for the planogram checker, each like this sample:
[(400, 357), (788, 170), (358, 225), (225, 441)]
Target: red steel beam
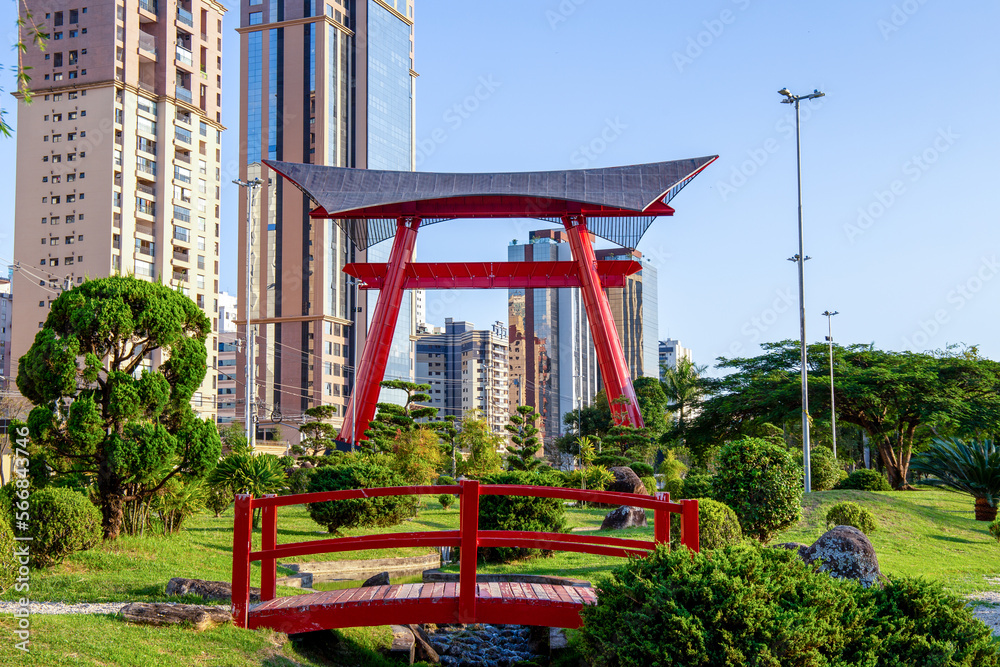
[(493, 275), (610, 355), (494, 206), (371, 369)]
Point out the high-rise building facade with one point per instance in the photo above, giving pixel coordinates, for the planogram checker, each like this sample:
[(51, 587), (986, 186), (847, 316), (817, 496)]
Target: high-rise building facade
[(331, 83), (118, 156), (553, 361), (466, 369), (670, 353)]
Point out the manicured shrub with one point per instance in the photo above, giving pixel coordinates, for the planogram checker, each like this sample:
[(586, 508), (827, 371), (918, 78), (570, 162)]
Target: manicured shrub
[(759, 480), (298, 480), (825, 473), (358, 473), (641, 469), (994, 529), (675, 487), (519, 513), (718, 526), (62, 522), (445, 480), (446, 500), (852, 514), (8, 561), (650, 484), (743, 605), (865, 480), (698, 486), (611, 461)]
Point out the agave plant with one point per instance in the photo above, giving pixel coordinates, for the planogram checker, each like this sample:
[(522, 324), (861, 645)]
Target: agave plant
[(966, 467)]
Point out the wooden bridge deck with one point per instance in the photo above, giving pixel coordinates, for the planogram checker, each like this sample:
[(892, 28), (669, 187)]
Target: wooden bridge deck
[(496, 602)]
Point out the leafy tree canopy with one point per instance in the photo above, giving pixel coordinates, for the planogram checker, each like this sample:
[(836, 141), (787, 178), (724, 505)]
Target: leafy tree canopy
[(98, 410)]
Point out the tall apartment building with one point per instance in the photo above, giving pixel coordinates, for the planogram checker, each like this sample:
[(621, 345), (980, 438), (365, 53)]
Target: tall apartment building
[(6, 319), (670, 353), (466, 369), (227, 312), (553, 361), (118, 156), (227, 377), (328, 82)]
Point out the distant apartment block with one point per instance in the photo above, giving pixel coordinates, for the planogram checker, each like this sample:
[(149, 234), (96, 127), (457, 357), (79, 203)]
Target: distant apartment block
[(670, 353)]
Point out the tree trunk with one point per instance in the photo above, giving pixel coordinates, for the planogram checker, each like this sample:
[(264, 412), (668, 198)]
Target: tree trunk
[(109, 485), (984, 512)]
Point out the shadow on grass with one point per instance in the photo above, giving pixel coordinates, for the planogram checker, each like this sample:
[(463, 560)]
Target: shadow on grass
[(330, 647), (945, 538)]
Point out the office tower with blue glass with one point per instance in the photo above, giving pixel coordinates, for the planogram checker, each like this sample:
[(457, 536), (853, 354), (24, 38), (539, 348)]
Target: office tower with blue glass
[(326, 82)]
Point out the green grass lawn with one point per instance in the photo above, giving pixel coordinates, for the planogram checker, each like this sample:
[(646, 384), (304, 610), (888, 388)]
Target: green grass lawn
[(928, 533)]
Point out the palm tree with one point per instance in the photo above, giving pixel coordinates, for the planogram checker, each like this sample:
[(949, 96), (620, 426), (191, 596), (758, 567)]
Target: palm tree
[(683, 387), (966, 467)]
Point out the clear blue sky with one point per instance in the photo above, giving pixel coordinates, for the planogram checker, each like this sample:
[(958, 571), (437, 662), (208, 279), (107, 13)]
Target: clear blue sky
[(907, 133)]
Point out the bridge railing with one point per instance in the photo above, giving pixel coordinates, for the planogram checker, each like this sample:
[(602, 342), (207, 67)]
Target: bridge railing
[(468, 537)]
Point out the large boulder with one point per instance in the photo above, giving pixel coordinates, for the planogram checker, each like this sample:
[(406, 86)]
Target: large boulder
[(846, 553), (208, 590), (624, 517), (626, 481)]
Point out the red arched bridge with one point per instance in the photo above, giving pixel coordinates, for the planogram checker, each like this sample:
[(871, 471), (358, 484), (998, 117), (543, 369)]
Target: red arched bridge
[(463, 602)]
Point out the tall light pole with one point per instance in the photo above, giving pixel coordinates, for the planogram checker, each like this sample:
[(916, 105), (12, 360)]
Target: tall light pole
[(833, 407), (250, 407), (800, 260)]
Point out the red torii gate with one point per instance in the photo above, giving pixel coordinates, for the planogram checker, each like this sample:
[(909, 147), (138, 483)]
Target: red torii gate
[(617, 203)]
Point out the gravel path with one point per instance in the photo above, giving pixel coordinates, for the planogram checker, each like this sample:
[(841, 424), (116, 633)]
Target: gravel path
[(988, 615)]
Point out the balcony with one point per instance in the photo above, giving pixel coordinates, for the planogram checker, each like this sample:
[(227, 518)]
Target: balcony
[(180, 276), (183, 157), (144, 227), (180, 134), (144, 169), (145, 189), (180, 176), (147, 46), (148, 208), (181, 255), (185, 17), (148, 86), (184, 94), (184, 56), (147, 11)]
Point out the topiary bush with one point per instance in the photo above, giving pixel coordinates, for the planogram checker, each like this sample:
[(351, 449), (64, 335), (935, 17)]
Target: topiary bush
[(718, 526), (852, 514), (865, 480), (446, 500), (743, 605), (611, 461), (641, 469), (675, 487), (445, 480), (761, 482), (62, 522), (650, 483), (8, 561), (358, 473), (519, 513), (823, 467), (698, 486)]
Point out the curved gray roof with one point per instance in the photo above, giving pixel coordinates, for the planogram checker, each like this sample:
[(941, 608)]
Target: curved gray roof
[(367, 201)]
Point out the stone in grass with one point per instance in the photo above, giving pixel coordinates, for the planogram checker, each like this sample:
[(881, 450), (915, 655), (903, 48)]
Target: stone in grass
[(626, 481), (846, 553), (380, 579), (164, 613), (624, 517), (208, 590)]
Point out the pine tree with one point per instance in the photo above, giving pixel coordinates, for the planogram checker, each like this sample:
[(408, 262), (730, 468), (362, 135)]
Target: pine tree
[(524, 436)]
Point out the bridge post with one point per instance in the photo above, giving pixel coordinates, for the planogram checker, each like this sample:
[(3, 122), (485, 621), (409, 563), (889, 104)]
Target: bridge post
[(689, 524), (469, 530), (268, 540), (242, 533), (661, 521)]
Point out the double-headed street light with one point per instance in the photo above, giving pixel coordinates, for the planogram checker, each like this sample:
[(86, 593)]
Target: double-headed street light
[(833, 408), (800, 259)]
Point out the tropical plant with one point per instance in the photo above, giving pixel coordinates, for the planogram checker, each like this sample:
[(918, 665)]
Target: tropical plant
[(684, 389), (99, 410), (178, 501), (995, 530), (585, 445), (759, 480), (971, 467), (851, 514), (245, 472), (524, 439)]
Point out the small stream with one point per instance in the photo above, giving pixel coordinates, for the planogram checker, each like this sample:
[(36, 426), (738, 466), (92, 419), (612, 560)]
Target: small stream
[(481, 645)]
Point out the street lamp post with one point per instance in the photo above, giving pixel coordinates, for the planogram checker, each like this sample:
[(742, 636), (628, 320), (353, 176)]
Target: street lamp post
[(250, 408), (833, 408), (800, 260)]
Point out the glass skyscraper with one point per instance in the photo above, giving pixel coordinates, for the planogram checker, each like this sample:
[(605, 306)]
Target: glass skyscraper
[(327, 82)]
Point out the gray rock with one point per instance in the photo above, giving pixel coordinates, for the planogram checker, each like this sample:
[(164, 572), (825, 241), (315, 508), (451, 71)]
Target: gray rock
[(208, 590), (380, 579), (625, 516), (162, 613), (846, 553), (626, 481), (793, 546)]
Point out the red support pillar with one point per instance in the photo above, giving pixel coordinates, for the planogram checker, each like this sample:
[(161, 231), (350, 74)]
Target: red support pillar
[(661, 521), (469, 530), (610, 355), (689, 525), (242, 533), (268, 540), (371, 368)]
